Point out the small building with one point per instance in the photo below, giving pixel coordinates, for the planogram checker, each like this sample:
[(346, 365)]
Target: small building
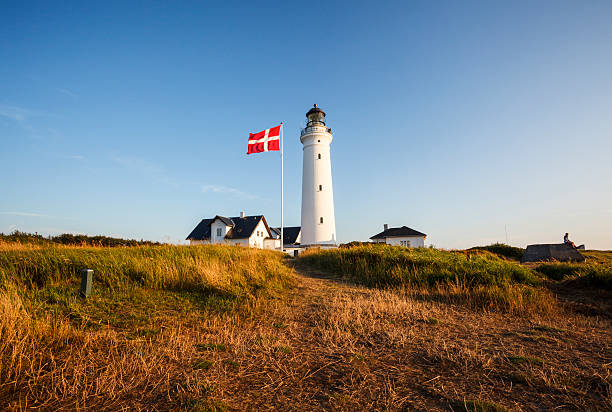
[(248, 231), (292, 235), (400, 236)]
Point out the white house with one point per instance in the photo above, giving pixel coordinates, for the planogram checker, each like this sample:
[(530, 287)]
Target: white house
[(292, 237), (400, 236), (248, 231)]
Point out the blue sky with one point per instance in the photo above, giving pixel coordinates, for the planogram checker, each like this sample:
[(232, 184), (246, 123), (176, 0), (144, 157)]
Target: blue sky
[(470, 121)]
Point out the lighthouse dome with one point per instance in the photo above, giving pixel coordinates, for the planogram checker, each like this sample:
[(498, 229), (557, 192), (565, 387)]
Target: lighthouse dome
[(315, 116)]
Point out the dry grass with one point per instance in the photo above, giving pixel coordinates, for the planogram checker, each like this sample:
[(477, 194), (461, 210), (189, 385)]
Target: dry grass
[(258, 345), (478, 279), (130, 343)]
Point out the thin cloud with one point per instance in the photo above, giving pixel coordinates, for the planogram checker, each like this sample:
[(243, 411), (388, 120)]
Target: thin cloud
[(31, 214), (19, 114), (67, 93), (27, 214), (226, 190)]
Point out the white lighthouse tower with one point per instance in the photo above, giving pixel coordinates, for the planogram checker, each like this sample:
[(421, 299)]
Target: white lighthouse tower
[(318, 220)]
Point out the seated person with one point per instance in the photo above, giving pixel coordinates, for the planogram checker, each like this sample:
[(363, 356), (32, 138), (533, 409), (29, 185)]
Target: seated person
[(567, 241)]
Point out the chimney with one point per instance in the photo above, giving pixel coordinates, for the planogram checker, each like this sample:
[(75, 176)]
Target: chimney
[(242, 215), (386, 226)]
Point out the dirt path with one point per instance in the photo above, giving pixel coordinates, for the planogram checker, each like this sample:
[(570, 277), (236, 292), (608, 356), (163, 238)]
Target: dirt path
[(334, 346)]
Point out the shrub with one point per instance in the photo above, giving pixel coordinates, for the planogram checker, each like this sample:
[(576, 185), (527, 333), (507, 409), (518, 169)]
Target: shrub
[(503, 250), (70, 239), (388, 266), (558, 271), (591, 274)]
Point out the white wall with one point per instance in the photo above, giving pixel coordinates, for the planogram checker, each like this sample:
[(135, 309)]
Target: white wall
[(415, 241), (199, 242), (218, 224), (317, 204), (272, 244), (238, 242), (258, 240)]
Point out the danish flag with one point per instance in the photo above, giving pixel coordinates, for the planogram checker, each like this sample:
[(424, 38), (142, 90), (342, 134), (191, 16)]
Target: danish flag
[(265, 141)]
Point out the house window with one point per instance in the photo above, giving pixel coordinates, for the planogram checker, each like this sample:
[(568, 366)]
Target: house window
[(218, 231), (321, 219), (319, 155)]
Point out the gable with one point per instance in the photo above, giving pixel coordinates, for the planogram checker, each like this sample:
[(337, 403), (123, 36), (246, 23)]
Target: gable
[(245, 226), (224, 220)]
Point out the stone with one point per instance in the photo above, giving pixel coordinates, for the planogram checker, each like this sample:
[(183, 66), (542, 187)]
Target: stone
[(551, 252), (86, 281)]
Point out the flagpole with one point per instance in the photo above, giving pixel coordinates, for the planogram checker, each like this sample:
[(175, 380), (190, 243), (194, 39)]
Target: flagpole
[(282, 239)]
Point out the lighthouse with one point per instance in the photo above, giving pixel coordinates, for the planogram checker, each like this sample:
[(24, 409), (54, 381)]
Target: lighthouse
[(318, 220)]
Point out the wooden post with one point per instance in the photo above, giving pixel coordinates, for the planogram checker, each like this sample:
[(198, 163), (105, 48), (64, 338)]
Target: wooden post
[(86, 281)]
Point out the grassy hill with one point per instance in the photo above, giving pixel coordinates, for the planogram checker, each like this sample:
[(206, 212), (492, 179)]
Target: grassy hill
[(228, 328), (58, 349), (479, 278)]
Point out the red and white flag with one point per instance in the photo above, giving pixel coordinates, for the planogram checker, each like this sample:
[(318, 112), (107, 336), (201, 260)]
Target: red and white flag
[(265, 141)]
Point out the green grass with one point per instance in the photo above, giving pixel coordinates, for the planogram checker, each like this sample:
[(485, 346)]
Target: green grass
[(597, 256), (392, 266), (210, 346), (202, 364), (590, 274), (284, 349), (136, 288), (477, 280), (229, 272), (503, 250)]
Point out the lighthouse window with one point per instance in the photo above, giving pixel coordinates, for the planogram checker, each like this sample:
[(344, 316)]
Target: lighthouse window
[(319, 155), (319, 141), (320, 187), (321, 219)]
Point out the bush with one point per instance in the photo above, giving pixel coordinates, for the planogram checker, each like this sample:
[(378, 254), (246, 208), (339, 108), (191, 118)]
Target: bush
[(594, 275), (503, 250), (558, 271), (70, 239), (387, 266)]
